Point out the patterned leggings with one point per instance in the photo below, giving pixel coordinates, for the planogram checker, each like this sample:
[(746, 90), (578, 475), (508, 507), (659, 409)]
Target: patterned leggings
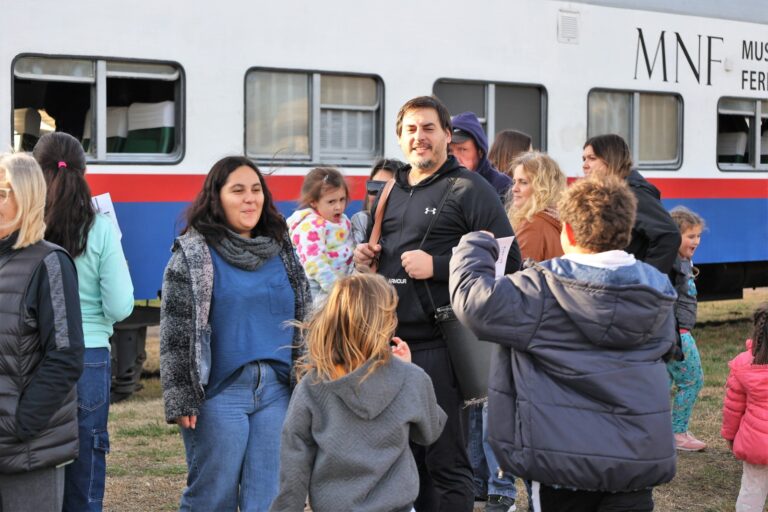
[(688, 376)]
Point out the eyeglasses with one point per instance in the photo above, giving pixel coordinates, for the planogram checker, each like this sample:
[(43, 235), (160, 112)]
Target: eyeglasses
[(5, 192), (374, 187)]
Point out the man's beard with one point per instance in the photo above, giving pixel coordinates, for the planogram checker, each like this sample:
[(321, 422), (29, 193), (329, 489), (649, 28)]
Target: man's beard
[(423, 164)]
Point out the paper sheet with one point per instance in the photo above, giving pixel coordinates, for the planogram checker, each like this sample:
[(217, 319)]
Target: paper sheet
[(505, 243), (103, 204)]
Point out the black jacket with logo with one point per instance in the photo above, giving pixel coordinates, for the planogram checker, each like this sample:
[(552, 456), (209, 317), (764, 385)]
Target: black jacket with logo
[(472, 205)]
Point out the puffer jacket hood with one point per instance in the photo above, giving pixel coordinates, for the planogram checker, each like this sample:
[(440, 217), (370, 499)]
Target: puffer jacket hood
[(619, 316), (370, 396), (297, 217)]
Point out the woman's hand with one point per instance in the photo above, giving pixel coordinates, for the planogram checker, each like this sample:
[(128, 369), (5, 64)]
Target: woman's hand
[(401, 350), (187, 421)]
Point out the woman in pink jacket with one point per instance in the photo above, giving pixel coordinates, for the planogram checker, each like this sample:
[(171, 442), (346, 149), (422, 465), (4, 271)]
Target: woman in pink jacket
[(745, 414)]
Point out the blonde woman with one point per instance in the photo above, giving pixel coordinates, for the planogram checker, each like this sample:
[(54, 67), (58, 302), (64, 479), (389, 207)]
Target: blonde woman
[(538, 183), (41, 346)]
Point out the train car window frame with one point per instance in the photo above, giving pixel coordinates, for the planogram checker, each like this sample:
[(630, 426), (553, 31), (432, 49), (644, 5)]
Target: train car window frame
[(317, 116), (634, 129), (489, 118), (755, 114), (64, 69)]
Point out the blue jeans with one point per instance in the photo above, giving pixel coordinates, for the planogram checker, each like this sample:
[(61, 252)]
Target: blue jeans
[(475, 450), (85, 477), (233, 454), (502, 485)]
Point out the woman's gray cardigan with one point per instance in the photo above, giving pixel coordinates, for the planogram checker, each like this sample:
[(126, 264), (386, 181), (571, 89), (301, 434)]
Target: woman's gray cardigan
[(185, 356)]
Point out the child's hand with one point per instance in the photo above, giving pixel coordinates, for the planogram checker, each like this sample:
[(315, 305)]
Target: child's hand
[(401, 350)]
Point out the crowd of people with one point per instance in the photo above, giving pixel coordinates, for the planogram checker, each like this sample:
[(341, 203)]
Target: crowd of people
[(308, 361)]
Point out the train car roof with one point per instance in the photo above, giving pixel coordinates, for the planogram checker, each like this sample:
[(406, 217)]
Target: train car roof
[(753, 11)]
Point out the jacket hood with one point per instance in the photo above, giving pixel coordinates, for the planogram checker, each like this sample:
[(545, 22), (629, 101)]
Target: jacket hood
[(635, 179), (550, 216), (369, 397), (297, 217), (612, 307), (469, 122), (451, 164)]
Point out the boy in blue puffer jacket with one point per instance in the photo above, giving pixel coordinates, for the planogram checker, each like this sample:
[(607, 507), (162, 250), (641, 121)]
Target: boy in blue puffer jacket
[(578, 396)]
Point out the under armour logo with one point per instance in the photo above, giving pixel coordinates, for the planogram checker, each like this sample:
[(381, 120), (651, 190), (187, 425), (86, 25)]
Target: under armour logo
[(427, 211)]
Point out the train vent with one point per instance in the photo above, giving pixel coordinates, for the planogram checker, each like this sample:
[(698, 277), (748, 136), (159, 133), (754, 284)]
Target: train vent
[(568, 27)]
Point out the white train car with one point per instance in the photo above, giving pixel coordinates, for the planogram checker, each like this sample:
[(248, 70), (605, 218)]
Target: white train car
[(158, 91)]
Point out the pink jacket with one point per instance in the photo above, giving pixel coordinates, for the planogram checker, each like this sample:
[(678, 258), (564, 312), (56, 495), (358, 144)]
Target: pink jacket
[(745, 409)]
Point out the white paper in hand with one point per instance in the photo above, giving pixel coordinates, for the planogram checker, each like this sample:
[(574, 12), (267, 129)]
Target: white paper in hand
[(103, 204), (505, 243)]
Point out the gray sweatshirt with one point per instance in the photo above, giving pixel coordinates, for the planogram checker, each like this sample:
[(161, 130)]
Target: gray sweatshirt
[(345, 442)]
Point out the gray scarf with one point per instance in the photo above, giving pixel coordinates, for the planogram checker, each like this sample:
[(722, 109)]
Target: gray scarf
[(246, 253)]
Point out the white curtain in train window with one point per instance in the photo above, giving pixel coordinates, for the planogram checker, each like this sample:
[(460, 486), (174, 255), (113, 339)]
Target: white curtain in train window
[(658, 127), (348, 107), (277, 114), (610, 112)]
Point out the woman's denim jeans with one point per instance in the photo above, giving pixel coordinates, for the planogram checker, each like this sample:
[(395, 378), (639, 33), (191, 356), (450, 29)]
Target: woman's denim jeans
[(84, 478), (233, 454)]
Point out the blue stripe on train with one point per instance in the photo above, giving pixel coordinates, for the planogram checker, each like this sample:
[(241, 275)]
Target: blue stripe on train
[(737, 231), (148, 233)]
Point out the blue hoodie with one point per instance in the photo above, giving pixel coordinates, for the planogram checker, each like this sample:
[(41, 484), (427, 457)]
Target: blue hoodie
[(468, 122)]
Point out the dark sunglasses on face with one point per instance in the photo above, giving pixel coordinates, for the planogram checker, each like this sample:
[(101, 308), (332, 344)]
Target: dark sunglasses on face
[(374, 187)]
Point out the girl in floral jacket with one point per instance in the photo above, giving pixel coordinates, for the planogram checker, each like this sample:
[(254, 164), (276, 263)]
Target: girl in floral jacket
[(745, 414), (320, 231)]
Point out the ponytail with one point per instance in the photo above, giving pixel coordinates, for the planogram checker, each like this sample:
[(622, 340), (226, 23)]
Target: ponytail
[(69, 212), (760, 335)]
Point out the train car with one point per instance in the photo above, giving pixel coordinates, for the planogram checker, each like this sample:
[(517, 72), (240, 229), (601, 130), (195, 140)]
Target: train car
[(158, 91)]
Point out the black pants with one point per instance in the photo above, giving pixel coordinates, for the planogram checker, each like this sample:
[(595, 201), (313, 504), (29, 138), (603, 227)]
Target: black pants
[(564, 500), (445, 474)]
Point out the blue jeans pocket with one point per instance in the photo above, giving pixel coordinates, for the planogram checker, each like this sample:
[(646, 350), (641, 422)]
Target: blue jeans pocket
[(93, 386)]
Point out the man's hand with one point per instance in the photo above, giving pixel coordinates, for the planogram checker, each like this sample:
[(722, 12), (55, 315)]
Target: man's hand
[(364, 255), (417, 264)]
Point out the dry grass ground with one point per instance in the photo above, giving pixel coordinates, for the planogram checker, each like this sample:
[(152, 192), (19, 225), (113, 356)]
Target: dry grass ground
[(146, 469)]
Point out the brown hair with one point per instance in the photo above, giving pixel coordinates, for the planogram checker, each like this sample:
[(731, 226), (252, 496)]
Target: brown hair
[(614, 150), (507, 146), (354, 326), (547, 181), (318, 181), (424, 102), (760, 335), (685, 218), (601, 213)]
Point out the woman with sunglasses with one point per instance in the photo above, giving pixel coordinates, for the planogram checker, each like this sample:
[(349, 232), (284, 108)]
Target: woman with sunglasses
[(383, 171)]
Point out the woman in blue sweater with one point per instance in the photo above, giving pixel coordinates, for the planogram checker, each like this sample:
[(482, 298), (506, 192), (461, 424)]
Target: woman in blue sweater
[(226, 349), (106, 297)]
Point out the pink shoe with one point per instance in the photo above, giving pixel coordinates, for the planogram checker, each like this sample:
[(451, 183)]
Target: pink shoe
[(687, 443)]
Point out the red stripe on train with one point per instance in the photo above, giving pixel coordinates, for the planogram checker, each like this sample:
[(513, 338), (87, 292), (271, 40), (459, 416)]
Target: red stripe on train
[(141, 188), (184, 187)]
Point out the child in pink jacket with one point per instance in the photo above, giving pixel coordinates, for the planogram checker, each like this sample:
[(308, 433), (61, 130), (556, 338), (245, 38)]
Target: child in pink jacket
[(745, 414)]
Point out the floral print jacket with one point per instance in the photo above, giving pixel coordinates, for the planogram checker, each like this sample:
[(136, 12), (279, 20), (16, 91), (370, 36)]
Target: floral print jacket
[(325, 248)]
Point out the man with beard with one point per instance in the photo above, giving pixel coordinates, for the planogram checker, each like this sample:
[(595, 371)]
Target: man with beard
[(418, 270)]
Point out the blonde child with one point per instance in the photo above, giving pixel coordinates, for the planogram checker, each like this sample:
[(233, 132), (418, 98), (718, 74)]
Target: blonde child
[(320, 231), (686, 375), (345, 440), (745, 414)]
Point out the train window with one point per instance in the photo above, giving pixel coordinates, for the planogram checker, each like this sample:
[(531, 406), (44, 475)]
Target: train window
[(122, 111), (742, 134), (498, 106), (316, 117), (651, 123)]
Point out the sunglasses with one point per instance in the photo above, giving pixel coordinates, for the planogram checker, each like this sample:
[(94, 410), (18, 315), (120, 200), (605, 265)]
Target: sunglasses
[(374, 187)]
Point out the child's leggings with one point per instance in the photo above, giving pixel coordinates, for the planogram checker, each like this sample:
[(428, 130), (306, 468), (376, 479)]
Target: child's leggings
[(754, 488), (689, 378)]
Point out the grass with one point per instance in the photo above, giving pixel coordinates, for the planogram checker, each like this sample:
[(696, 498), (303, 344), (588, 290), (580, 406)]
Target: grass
[(146, 467)]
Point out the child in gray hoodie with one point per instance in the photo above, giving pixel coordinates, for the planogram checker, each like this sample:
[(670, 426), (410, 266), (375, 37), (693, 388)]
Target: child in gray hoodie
[(345, 441)]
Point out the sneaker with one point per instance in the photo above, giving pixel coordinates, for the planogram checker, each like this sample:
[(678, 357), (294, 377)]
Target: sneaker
[(499, 503), (687, 443)]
